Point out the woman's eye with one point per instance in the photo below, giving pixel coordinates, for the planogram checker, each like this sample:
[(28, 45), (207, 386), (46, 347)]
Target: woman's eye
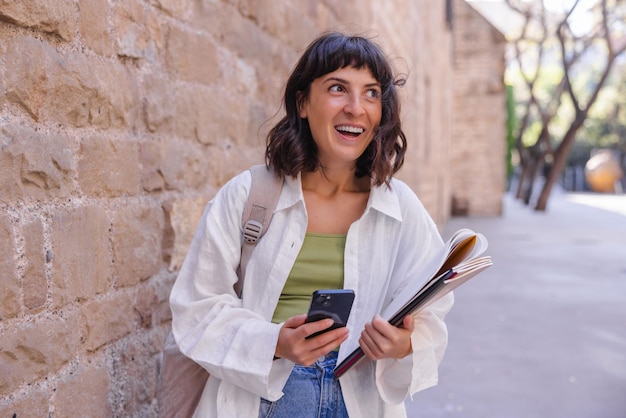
[(373, 93), (336, 88)]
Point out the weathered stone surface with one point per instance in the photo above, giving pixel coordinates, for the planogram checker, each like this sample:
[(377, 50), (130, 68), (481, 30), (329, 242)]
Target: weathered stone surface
[(34, 165), (150, 157), (57, 17), (10, 294), (31, 351), (94, 26), (179, 9), (138, 32), (84, 393), (145, 303), (32, 404), (159, 104), (192, 56), (108, 319), (68, 88), (81, 265), (184, 165), (34, 280), (108, 167), (137, 236), (478, 178), (184, 215)]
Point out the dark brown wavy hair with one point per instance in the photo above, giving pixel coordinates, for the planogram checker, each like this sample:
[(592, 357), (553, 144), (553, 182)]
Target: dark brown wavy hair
[(290, 147)]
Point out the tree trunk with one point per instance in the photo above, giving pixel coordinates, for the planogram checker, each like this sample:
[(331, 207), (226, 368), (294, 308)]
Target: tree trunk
[(559, 162)]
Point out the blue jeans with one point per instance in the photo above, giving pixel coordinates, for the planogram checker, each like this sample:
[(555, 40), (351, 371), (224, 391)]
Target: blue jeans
[(310, 392)]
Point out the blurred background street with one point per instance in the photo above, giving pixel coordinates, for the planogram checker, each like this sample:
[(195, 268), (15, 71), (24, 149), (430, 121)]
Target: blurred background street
[(543, 332)]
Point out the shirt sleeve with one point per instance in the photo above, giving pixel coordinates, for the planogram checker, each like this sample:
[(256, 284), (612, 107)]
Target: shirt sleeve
[(208, 321), (420, 241)]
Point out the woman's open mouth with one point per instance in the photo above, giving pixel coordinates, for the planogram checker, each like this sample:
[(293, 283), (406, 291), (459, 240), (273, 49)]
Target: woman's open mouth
[(351, 131)]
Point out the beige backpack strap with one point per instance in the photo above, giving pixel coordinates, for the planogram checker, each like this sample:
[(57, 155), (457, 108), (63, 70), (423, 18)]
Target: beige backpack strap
[(262, 199)]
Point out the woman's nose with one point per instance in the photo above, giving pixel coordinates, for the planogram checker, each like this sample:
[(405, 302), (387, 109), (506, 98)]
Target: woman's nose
[(354, 105)]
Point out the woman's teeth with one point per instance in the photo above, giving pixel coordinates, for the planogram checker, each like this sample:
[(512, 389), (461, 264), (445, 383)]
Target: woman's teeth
[(351, 130)]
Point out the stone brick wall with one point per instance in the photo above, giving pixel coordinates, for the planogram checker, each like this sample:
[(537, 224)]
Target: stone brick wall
[(118, 121), (478, 149)]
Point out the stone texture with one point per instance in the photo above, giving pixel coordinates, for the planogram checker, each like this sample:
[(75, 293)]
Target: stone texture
[(108, 319), (84, 393), (10, 294), (94, 26), (137, 235), (183, 216), (34, 281), (108, 167), (81, 264), (479, 146), (138, 33), (33, 404), (192, 56), (32, 351), (58, 17), (35, 165), (68, 88)]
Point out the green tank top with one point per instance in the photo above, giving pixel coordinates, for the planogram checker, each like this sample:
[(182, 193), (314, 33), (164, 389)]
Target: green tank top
[(319, 265)]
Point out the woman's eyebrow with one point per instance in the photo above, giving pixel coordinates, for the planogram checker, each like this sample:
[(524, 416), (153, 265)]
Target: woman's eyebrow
[(341, 80)]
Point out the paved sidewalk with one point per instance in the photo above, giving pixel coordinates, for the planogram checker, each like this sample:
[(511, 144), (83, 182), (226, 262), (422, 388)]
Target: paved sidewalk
[(542, 333)]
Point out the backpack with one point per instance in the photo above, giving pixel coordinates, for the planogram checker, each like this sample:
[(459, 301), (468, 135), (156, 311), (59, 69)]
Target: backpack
[(181, 380)]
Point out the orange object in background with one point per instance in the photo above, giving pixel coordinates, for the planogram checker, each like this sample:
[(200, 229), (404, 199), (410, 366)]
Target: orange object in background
[(603, 171)]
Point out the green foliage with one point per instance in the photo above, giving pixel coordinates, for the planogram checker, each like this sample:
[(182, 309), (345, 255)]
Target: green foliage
[(510, 128), (606, 125)]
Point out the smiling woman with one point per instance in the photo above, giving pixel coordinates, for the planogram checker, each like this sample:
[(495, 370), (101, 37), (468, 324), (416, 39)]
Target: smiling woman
[(336, 152)]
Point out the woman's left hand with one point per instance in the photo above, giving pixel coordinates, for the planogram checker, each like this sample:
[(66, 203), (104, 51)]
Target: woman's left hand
[(381, 340)]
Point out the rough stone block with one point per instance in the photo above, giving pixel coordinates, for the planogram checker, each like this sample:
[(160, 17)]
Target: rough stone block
[(108, 319), (138, 33), (31, 351), (56, 17), (68, 87), (34, 165), (192, 57), (159, 104), (149, 157), (183, 165), (81, 266), (183, 215), (108, 167), (84, 393), (145, 303), (10, 294), (94, 26), (34, 281), (32, 404), (137, 236), (179, 9)]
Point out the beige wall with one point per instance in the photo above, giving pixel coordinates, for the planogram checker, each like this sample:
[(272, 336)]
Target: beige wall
[(478, 149), (118, 120)]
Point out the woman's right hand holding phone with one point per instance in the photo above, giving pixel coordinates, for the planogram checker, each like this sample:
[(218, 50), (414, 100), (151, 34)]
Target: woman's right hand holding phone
[(293, 343)]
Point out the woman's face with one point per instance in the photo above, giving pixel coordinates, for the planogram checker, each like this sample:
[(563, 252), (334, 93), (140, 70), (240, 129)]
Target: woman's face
[(343, 109)]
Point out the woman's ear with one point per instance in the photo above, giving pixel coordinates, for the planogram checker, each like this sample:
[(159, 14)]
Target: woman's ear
[(300, 102)]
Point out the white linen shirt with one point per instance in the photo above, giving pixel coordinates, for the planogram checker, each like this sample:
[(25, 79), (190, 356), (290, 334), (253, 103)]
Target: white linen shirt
[(234, 338)]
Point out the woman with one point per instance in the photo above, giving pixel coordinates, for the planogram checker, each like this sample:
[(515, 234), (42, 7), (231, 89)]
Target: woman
[(341, 221)]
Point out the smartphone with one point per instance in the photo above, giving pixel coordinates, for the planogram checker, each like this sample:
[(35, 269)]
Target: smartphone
[(330, 303)]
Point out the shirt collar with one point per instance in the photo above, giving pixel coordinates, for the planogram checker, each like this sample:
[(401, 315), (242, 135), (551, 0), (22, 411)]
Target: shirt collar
[(385, 200), (382, 198)]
